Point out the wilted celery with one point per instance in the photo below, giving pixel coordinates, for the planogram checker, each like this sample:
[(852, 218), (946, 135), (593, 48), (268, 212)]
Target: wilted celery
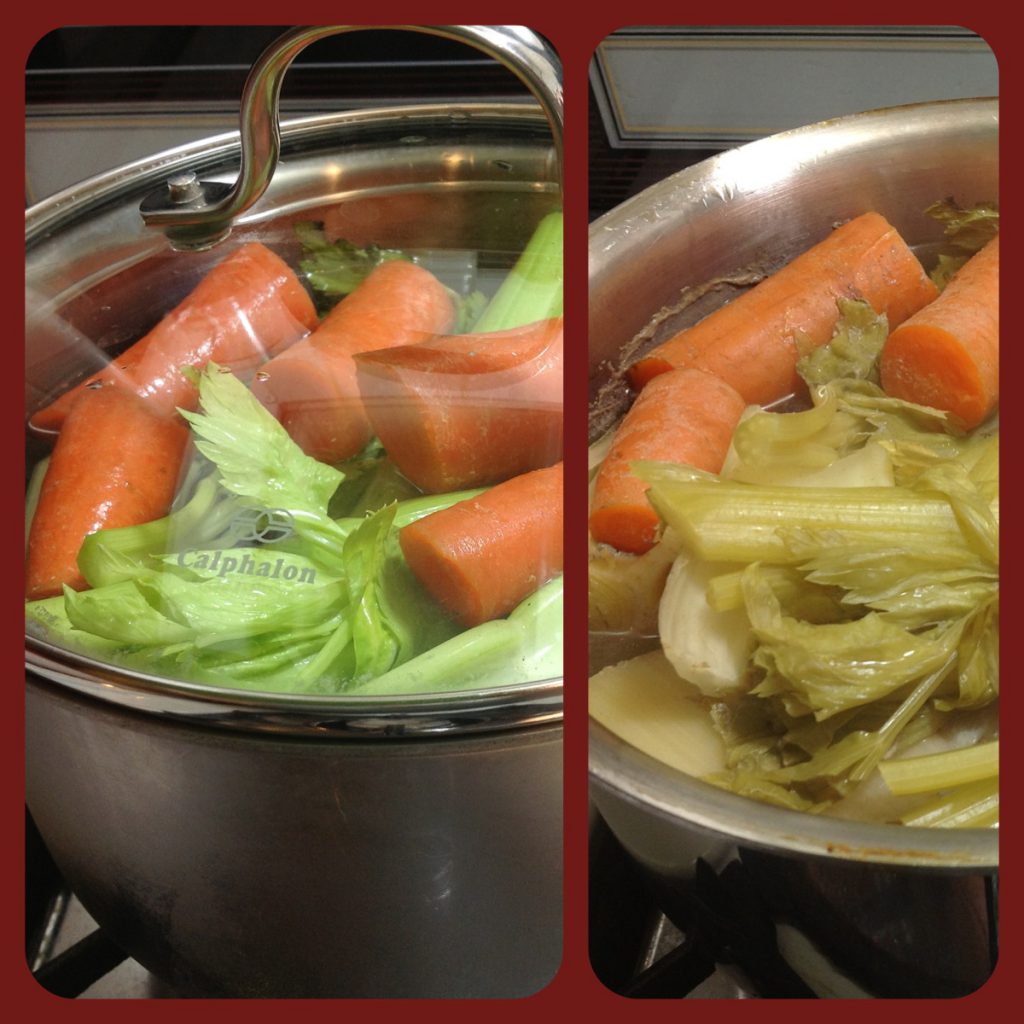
[(854, 349), (865, 531), (972, 806), (966, 231), (731, 522), (623, 590), (933, 772)]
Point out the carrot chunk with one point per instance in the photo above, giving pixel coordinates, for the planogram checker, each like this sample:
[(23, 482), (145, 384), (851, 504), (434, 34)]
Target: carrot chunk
[(479, 558), (249, 306), (468, 410), (115, 463), (311, 388), (685, 416), (753, 343), (947, 354)]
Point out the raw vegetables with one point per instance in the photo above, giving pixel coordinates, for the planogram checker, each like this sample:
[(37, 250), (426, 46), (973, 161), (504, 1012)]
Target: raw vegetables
[(681, 416), (32, 491), (334, 269), (116, 463), (249, 306), (276, 571), (471, 409), (524, 646), (532, 290), (947, 354), (482, 557), (833, 601), (311, 387), (754, 342), (330, 607)]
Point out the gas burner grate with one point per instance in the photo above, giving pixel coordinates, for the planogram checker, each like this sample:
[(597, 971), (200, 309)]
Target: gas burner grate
[(742, 930), (73, 971), (651, 943)]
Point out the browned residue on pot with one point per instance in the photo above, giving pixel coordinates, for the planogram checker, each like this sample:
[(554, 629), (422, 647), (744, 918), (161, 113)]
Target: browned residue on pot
[(611, 393), (873, 852)]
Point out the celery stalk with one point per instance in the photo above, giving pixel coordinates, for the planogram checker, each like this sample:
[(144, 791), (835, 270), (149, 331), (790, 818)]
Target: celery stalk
[(533, 288), (451, 665), (526, 645), (729, 522), (411, 509), (941, 771), (975, 805), (111, 556)]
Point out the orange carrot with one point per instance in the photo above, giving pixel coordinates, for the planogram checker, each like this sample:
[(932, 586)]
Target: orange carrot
[(311, 388), (947, 355), (481, 557), (115, 463), (754, 342), (685, 416), (468, 410), (249, 306)]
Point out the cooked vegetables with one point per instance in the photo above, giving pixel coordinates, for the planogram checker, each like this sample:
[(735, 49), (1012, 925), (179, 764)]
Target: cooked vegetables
[(708, 646), (754, 342), (833, 602), (731, 522), (930, 772), (966, 232), (947, 354), (643, 702), (685, 416)]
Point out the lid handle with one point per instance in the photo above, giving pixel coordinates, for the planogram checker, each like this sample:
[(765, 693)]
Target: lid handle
[(199, 214)]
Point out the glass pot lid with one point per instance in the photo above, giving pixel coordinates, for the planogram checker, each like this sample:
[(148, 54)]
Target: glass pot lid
[(311, 465)]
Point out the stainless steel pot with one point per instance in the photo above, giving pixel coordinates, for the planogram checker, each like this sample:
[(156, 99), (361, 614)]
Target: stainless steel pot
[(245, 844), (879, 900)]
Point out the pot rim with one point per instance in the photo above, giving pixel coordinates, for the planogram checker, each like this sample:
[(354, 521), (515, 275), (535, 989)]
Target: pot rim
[(355, 715), (680, 799), (482, 709), (216, 150), (623, 772), (618, 218)]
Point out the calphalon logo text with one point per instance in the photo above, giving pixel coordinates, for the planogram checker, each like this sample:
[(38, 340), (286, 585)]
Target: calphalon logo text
[(246, 565)]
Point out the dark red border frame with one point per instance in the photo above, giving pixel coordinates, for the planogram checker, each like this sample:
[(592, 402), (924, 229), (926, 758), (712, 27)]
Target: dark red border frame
[(575, 31)]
